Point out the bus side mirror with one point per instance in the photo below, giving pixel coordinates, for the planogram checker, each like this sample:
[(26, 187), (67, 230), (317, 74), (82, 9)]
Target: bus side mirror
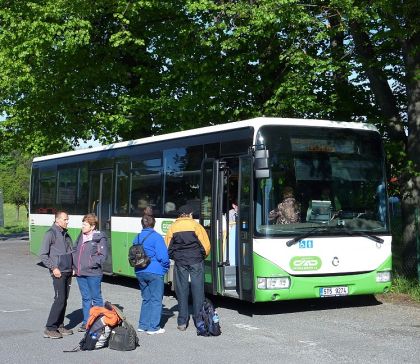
[(261, 163)]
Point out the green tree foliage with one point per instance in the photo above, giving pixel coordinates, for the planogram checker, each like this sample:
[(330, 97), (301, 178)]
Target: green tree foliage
[(14, 179), (112, 69)]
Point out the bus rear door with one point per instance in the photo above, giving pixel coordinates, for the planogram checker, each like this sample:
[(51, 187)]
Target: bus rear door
[(100, 198)]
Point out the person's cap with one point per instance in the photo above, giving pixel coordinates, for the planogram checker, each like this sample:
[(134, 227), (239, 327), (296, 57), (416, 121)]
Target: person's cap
[(185, 210)]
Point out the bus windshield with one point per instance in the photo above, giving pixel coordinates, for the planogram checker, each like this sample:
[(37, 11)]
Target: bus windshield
[(326, 177)]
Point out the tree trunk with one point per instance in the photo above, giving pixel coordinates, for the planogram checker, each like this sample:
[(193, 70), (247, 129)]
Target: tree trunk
[(411, 183), (384, 97), (340, 78)]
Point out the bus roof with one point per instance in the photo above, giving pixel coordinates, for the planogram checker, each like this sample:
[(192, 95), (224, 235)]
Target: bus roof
[(256, 123)]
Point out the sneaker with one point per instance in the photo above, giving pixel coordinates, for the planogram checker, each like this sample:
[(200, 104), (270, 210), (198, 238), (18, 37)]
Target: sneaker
[(141, 330), (52, 334), (182, 327), (82, 328), (65, 332), (160, 331)]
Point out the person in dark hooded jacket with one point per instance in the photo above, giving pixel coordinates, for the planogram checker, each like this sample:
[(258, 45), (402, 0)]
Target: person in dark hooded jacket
[(56, 255), (88, 259), (188, 245)]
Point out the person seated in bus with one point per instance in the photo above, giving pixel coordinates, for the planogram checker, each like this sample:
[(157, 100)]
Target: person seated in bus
[(195, 204), (380, 198), (170, 208), (143, 208), (148, 211), (142, 204), (326, 195), (287, 211)]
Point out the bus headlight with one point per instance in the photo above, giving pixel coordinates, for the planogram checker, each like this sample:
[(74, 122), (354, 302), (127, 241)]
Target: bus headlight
[(384, 276), (273, 282)]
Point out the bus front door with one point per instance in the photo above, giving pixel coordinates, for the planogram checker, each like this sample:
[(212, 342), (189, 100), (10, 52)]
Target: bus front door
[(245, 223), (209, 214), (100, 187), (218, 191)]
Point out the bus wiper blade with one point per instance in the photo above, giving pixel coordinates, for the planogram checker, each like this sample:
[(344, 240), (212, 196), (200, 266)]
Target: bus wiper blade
[(293, 241), (362, 233)]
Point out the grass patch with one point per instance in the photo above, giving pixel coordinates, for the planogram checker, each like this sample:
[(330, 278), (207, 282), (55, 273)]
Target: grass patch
[(408, 286), (12, 223)]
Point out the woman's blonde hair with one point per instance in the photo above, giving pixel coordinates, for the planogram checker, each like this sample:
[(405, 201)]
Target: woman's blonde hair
[(91, 219)]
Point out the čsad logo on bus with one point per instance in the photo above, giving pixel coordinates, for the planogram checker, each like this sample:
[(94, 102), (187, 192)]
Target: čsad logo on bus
[(305, 263), (165, 225)]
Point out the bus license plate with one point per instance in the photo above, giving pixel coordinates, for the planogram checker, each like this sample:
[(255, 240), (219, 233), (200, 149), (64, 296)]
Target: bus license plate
[(333, 291)]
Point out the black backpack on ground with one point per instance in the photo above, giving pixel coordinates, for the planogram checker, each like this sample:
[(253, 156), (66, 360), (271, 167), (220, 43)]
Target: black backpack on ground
[(96, 337), (124, 336), (207, 320)]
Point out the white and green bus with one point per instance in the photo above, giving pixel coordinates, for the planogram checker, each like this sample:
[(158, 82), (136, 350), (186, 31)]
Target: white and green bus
[(339, 246)]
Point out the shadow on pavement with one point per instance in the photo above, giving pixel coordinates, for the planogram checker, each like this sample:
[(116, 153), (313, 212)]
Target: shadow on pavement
[(267, 308), (75, 318), (280, 307), (21, 236)]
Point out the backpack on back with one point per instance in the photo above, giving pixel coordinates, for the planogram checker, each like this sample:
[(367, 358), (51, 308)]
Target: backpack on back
[(137, 257), (123, 337), (207, 320)]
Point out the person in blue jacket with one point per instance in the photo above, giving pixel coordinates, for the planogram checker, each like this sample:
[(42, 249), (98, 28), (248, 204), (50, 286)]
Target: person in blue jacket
[(151, 278), (88, 260)]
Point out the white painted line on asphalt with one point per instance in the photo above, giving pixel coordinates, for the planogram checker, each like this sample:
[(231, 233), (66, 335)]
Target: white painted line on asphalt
[(308, 343), (11, 311), (246, 327)]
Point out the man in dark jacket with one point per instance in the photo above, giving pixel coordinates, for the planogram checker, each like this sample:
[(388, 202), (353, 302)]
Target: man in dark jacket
[(188, 245), (56, 255)]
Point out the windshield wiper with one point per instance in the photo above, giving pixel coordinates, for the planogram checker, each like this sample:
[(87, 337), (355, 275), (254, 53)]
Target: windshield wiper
[(305, 235), (361, 233), (293, 241)]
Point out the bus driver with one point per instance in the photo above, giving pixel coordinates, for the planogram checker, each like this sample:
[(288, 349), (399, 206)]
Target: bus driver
[(287, 211)]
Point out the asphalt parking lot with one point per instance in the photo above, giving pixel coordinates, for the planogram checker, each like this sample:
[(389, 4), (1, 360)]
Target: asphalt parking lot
[(356, 330)]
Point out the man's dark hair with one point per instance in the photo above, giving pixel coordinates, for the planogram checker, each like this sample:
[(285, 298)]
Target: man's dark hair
[(185, 210), (59, 212), (148, 221)]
